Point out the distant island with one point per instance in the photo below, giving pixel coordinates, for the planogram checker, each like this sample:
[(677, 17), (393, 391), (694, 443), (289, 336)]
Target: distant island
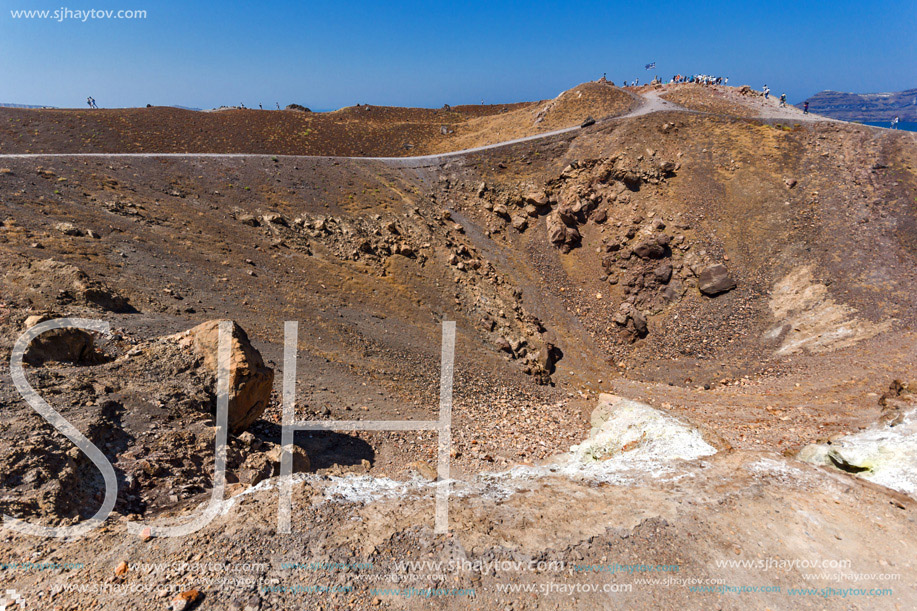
[(865, 106)]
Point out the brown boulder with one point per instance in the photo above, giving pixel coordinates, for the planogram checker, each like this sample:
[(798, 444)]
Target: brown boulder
[(301, 462), (639, 322), (715, 280), (548, 356), (567, 215), (663, 273), (537, 198), (649, 249), (250, 381)]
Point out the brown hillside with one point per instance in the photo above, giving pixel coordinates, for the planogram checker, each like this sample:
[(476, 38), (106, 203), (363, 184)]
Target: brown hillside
[(359, 131), (750, 280)]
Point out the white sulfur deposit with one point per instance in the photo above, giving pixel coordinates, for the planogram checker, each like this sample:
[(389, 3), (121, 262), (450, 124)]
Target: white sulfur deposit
[(883, 454), (627, 434)]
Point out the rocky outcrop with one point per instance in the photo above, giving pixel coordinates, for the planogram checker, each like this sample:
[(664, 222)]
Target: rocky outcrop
[(60, 345), (48, 283)]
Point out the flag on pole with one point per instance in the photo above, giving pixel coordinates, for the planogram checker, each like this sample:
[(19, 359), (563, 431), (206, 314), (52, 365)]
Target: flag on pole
[(651, 66)]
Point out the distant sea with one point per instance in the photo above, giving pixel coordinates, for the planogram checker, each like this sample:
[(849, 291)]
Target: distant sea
[(905, 125)]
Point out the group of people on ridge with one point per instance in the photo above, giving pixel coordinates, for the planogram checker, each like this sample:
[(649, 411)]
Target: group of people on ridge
[(703, 79)]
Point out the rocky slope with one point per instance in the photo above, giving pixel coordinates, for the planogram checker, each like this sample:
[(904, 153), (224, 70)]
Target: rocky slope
[(743, 283)]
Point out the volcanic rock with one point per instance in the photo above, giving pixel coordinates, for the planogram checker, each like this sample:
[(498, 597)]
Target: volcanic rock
[(250, 381), (69, 229), (715, 280), (58, 345)]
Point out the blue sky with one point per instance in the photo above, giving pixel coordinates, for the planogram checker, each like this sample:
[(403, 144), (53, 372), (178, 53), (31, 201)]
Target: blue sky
[(332, 54)]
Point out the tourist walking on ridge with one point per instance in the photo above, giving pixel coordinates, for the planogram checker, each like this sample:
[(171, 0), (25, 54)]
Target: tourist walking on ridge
[(805, 107), (91, 102), (895, 123), (767, 92), (782, 99)]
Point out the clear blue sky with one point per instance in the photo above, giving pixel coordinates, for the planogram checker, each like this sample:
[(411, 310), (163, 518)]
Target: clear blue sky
[(332, 54)]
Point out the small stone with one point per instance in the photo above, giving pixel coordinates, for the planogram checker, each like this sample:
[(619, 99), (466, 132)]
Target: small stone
[(537, 198), (520, 223), (184, 600), (274, 218), (715, 280), (69, 229)]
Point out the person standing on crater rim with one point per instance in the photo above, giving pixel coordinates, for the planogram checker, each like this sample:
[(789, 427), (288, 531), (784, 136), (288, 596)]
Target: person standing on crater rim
[(805, 107), (783, 99), (767, 92)]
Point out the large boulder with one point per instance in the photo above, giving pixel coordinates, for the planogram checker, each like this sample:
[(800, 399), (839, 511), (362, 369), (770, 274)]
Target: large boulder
[(715, 280), (548, 356), (250, 380)]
